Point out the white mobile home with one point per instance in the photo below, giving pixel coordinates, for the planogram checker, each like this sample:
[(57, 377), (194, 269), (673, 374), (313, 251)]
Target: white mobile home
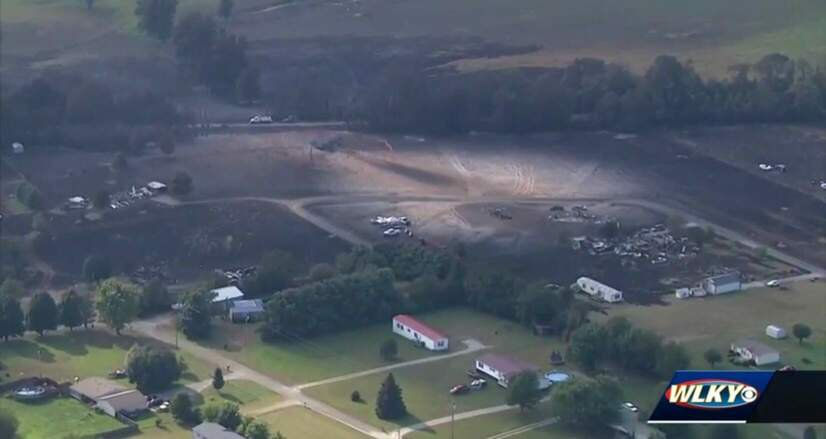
[(504, 369), (599, 290), (412, 329)]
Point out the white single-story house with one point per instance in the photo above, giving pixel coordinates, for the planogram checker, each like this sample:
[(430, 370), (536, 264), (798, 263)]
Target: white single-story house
[(125, 403), (599, 290), (209, 430), (775, 331), (503, 369), (246, 310), (18, 148), (90, 390), (412, 329), (723, 283), (759, 353), (227, 294)]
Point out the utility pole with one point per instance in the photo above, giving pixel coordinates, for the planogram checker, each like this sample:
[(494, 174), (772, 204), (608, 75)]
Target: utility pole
[(452, 418)]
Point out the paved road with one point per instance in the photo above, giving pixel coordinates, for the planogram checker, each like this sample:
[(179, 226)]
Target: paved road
[(458, 417), (524, 429), (471, 345)]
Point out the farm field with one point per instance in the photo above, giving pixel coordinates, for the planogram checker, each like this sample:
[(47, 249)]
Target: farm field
[(247, 394), (315, 359), (58, 416), (82, 353), (298, 422)]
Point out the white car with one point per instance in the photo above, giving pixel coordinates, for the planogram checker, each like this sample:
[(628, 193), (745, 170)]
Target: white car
[(259, 118), (630, 406), (392, 232), (774, 283), (765, 167)]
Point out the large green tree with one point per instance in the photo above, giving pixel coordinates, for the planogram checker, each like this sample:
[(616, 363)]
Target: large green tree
[(43, 314), (801, 331), (523, 390), (152, 369), (156, 17), (588, 346), (587, 404), (154, 298), (12, 320), (117, 303), (183, 410), (8, 424), (12, 287), (196, 314), (218, 379), (389, 402), (71, 310), (226, 414), (712, 357)]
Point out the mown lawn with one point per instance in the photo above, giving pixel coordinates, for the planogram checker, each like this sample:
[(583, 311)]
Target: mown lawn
[(248, 394), (426, 387), (306, 360), (488, 425), (301, 423), (58, 417), (714, 322), (82, 353)]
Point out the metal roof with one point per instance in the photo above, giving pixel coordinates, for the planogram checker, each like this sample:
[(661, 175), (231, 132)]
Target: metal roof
[(508, 366), (211, 430), (419, 327), (227, 293)]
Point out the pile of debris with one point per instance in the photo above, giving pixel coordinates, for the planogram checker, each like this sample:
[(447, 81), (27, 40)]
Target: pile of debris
[(234, 276), (501, 213), (655, 244), (393, 226), (576, 214), (766, 167), (146, 273)]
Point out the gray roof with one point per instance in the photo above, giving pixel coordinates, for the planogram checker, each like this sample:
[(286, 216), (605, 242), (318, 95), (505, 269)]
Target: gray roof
[(127, 401), (726, 278), (755, 347), (96, 387), (255, 305), (215, 431)]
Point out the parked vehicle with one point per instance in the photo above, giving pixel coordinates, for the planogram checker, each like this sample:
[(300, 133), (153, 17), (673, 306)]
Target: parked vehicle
[(774, 283), (459, 389), (260, 118), (630, 406)]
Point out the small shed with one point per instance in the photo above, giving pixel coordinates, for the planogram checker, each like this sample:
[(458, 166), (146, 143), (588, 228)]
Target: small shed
[(18, 148), (246, 310), (775, 331)]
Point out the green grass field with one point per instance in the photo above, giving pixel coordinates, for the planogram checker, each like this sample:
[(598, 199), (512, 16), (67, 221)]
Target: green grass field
[(247, 394), (300, 423), (426, 387), (57, 417), (714, 322), (81, 353), (312, 359)]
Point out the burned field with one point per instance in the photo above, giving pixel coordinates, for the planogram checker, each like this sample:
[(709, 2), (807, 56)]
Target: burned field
[(182, 243)]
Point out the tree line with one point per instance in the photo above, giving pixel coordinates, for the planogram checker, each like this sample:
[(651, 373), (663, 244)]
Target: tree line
[(370, 285), (593, 94), (67, 110)]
